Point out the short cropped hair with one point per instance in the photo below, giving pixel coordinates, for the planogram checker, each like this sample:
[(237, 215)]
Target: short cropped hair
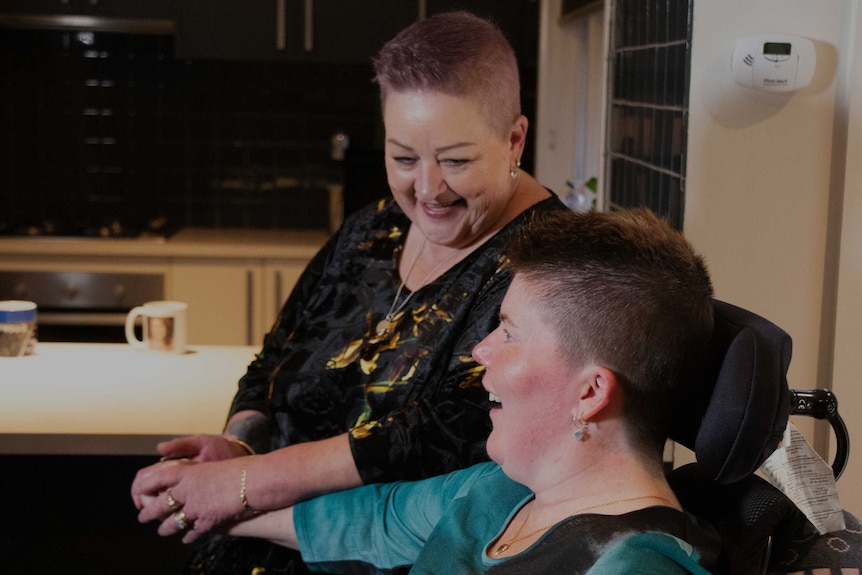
[(626, 291), (458, 54)]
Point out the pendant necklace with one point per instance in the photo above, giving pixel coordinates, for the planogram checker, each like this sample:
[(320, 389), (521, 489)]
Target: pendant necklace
[(503, 547), (385, 324)]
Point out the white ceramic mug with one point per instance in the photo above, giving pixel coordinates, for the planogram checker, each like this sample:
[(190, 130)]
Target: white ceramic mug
[(164, 326)]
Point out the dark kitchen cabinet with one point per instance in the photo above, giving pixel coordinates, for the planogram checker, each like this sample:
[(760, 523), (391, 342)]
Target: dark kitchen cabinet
[(334, 31), (161, 9), (518, 19)]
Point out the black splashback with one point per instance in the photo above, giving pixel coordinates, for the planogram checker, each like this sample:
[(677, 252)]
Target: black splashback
[(96, 127)]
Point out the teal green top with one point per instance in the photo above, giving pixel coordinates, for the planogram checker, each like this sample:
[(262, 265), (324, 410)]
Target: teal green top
[(445, 524)]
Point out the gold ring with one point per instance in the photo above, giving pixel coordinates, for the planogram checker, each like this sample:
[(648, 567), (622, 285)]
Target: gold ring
[(173, 504), (181, 520)]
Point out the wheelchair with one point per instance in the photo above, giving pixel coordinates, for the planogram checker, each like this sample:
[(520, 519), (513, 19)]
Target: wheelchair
[(733, 416)]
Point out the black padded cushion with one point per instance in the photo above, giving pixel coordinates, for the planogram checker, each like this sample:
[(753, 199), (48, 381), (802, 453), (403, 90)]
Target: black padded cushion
[(734, 410), (745, 515)]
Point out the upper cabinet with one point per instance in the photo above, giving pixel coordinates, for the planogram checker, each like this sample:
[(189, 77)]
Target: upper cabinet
[(518, 19), (316, 31), (333, 31), (294, 30), (96, 8)]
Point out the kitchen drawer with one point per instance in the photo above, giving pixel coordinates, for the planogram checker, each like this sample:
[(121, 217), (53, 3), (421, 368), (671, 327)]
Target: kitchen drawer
[(232, 301)]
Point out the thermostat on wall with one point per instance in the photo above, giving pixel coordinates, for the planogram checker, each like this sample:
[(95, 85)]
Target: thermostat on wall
[(774, 63)]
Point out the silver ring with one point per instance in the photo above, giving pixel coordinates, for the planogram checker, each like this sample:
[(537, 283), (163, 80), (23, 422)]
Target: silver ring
[(173, 504), (181, 520)]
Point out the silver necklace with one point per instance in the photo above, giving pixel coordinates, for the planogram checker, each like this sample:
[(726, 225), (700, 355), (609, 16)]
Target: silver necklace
[(385, 324)]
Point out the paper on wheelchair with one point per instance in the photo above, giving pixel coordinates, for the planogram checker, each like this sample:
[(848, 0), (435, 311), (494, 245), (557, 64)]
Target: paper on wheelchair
[(803, 476)]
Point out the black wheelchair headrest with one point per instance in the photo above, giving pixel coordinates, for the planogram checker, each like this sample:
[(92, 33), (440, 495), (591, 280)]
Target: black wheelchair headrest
[(734, 411)]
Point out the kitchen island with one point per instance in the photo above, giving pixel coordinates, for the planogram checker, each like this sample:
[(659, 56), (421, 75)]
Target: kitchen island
[(77, 421), (110, 399)]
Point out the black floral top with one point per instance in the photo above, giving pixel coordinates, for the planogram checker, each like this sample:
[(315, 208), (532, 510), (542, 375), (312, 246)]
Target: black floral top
[(412, 398)]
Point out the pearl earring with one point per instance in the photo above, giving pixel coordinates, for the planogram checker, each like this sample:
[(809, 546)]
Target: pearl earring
[(514, 171)]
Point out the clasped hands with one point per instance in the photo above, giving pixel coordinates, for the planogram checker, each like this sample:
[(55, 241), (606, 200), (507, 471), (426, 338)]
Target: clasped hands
[(194, 489)]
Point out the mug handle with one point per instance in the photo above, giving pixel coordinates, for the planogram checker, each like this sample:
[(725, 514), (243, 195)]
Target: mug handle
[(130, 328)]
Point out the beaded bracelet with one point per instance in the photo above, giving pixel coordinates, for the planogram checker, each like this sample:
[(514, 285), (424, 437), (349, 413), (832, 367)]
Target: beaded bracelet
[(242, 488)]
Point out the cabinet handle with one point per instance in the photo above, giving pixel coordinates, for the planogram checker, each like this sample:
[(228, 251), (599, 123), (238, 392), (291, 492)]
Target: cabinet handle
[(280, 23), (308, 43), (249, 306), (278, 300)]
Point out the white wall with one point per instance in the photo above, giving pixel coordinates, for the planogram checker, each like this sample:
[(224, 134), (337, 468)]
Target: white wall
[(765, 184), (847, 375), (774, 187)]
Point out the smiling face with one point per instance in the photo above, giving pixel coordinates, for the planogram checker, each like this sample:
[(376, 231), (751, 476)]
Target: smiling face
[(446, 168), (535, 387)]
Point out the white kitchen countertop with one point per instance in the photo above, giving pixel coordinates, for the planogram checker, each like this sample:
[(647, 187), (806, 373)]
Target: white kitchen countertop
[(110, 399), (188, 242)]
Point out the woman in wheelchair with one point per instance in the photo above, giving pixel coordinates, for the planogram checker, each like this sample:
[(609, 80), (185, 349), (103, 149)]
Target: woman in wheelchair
[(605, 316)]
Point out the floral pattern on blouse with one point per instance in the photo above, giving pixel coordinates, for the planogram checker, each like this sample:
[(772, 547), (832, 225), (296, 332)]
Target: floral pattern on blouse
[(411, 398)]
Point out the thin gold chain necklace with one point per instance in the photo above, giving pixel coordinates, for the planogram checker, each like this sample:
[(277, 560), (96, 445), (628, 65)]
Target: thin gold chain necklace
[(385, 324), (503, 547)]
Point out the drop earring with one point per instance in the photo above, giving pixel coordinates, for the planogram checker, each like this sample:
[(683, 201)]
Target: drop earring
[(580, 428), (514, 171)]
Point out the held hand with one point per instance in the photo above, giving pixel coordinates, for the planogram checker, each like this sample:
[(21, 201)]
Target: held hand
[(151, 481), (200, 498), (201, 448), (211, 493)]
